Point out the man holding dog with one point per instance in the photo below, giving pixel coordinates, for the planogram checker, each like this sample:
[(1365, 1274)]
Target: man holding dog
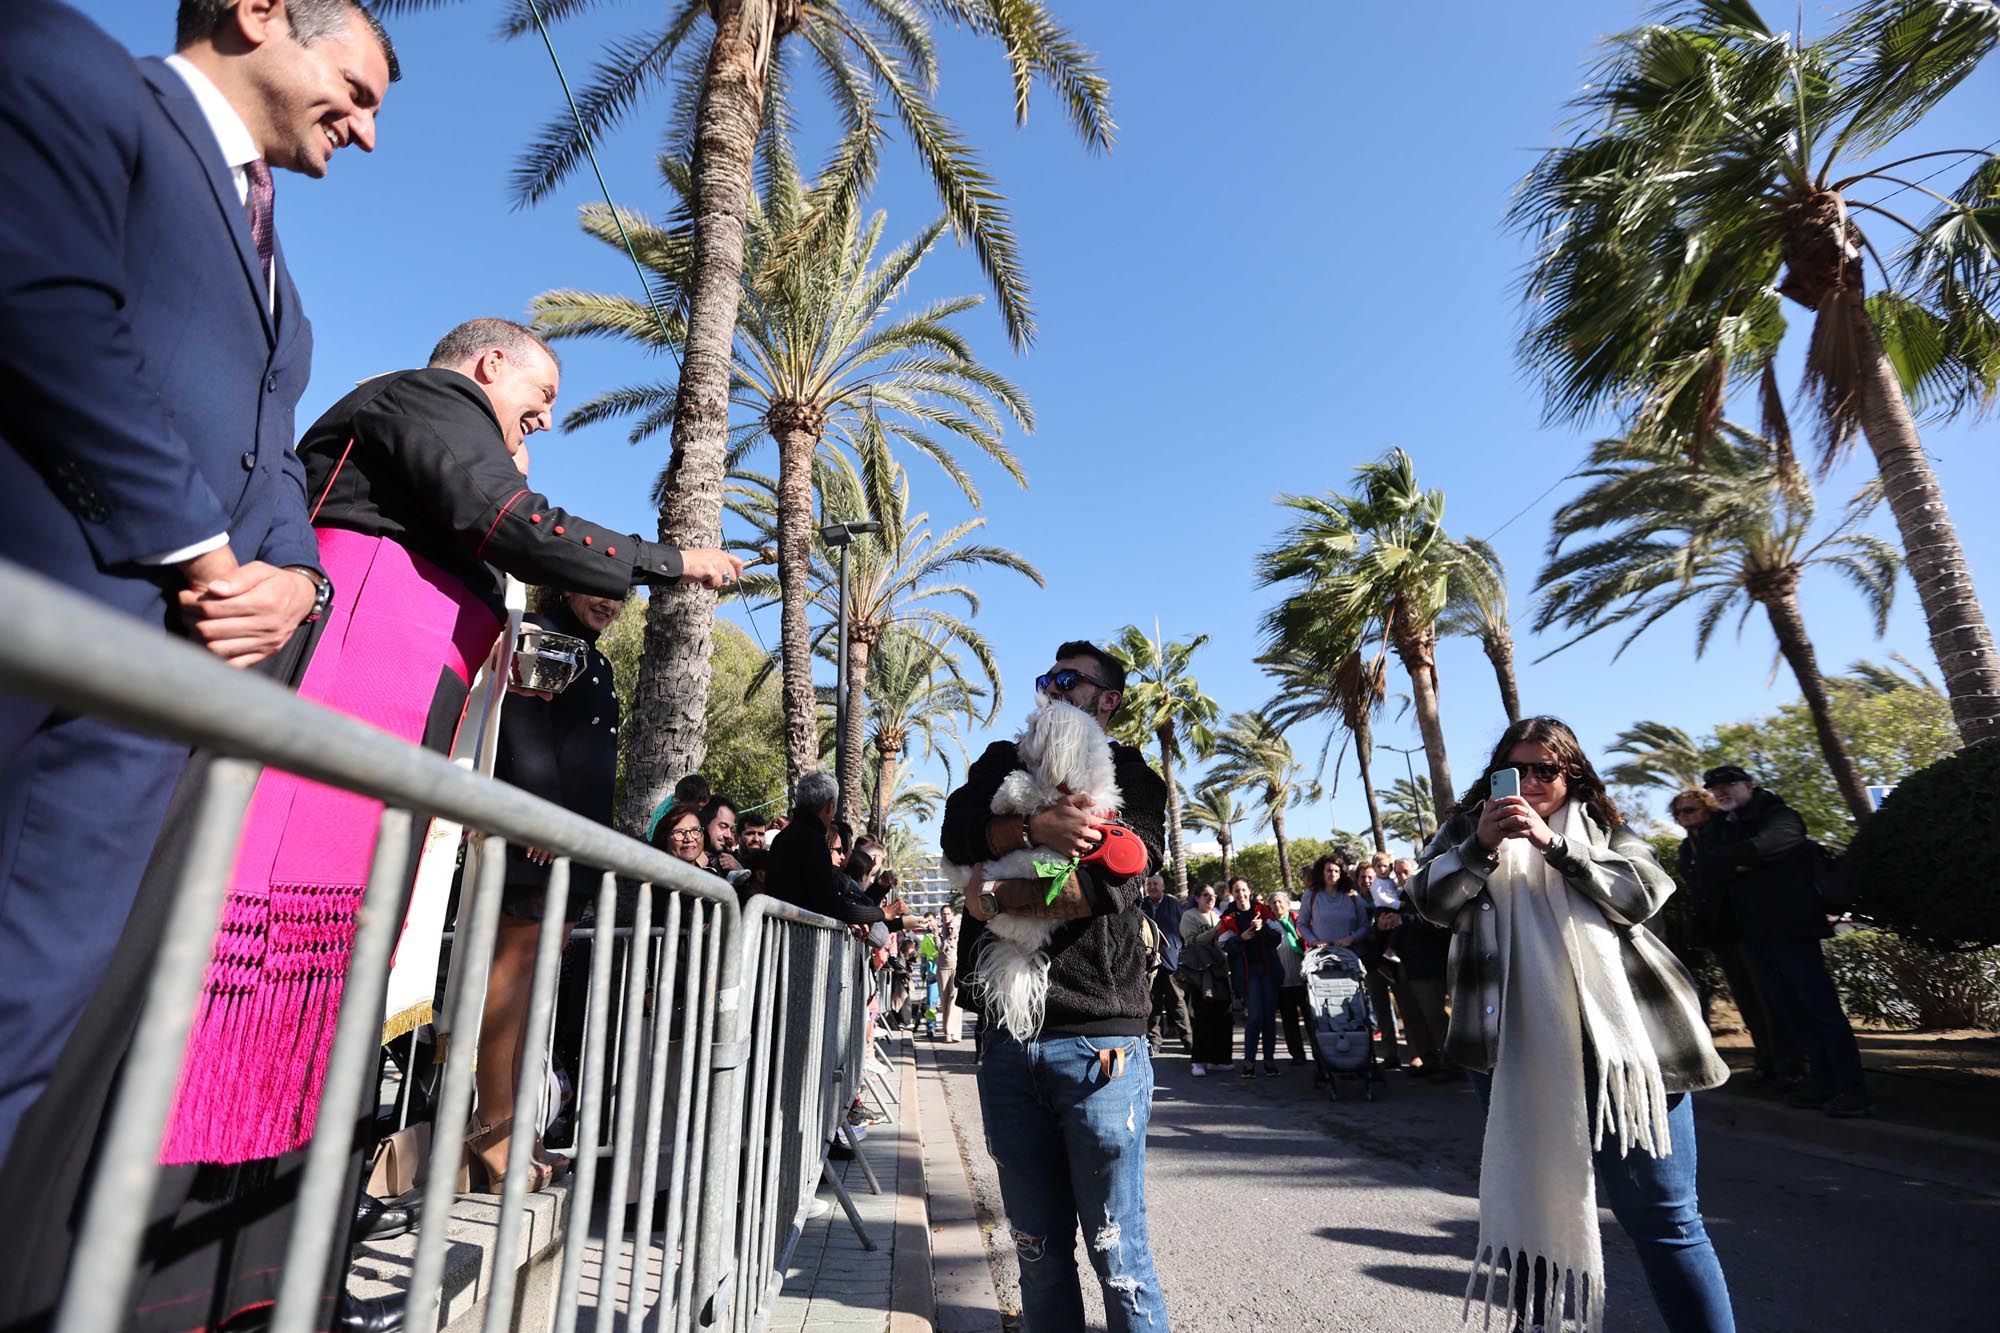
[(1066, 1112)]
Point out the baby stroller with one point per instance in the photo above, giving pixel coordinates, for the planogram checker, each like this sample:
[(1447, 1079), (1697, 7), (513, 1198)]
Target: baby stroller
[(1343, 1020)]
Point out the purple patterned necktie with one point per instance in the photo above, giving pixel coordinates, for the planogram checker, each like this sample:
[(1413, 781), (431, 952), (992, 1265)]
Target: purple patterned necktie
[(260, 202)]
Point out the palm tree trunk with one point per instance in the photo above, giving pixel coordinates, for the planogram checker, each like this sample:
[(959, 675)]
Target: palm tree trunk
[(888, 759), (1417, 647), (1960, 636), (1364, 746), (797, 447), (1223, 840), (1284, 848), (1499, 645), (858, 650), (667, 737), (1174, 841), (1790, 627)]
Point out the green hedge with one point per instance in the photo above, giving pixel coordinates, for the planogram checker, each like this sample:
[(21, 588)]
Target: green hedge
[(1927, 866), (1884, 979)]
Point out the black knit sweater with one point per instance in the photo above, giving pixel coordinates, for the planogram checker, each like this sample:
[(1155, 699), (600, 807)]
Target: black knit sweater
[(1097, 965)]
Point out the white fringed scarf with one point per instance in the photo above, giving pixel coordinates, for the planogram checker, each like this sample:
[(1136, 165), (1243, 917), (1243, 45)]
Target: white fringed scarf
[(1564, 982)]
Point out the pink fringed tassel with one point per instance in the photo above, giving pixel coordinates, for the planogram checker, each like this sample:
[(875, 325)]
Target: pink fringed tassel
[(257, 1053)]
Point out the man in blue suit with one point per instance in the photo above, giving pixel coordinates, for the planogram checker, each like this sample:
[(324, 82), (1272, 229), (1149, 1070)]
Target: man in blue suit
[(152, 352)]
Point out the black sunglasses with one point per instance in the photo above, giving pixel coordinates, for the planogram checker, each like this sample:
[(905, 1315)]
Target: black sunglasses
[(1065, 680), (1543, 773)]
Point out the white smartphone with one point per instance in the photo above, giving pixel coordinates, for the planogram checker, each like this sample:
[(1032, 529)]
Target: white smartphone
[(1504, 782)]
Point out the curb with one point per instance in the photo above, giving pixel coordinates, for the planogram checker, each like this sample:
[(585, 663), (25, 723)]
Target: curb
[(963, 1275), (1958, 1160), (912, 1292)]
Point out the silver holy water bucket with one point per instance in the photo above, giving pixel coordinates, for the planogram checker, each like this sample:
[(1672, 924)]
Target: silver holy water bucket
[(548, 661)]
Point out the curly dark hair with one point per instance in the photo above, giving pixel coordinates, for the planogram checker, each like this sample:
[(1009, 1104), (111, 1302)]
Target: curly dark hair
[(1553, 732), (1316, 876)]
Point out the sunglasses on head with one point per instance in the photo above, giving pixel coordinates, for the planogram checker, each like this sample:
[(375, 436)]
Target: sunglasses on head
[(1063, 681), (1543, 773)]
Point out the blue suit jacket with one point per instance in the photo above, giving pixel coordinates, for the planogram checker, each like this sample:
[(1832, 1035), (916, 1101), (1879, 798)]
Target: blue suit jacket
[(146, 392)]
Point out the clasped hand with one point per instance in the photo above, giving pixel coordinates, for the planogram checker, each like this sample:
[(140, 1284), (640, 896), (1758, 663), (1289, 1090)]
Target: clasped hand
[(1512, 817), (247, 613)]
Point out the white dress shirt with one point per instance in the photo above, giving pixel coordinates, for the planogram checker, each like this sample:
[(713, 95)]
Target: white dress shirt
[(232, 136)]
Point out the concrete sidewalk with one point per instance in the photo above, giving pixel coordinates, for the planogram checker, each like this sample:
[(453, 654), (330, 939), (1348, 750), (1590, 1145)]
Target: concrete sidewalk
[(834, 1281)]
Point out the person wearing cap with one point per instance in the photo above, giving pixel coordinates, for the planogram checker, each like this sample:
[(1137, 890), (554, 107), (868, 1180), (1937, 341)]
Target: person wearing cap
[(1757, 858)]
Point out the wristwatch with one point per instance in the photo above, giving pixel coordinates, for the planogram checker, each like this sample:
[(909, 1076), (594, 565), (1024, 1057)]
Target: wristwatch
[(322, 593), (989, 903)]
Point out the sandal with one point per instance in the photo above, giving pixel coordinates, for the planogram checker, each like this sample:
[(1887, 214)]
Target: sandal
[(482, 1177)]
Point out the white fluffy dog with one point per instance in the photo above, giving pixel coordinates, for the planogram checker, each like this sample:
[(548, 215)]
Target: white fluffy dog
[(1065, 754)]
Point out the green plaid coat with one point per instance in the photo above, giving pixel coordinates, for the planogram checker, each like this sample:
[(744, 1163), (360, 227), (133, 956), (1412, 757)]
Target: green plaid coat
[(1621, 875)]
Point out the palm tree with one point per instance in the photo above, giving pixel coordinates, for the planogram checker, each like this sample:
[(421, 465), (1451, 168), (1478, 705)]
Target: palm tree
[(1164, 704), (1477, 609), (1412, 811), (1734, 535), (1214, 808), (733, 100), (820, 359), (1352, 692), (1253, 754), (1658, 755), (905, 576), (1723, 168), (1377, 562), (917, 691)]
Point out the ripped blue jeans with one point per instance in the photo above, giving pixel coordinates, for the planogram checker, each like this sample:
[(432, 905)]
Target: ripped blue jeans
[(1069, 1138)]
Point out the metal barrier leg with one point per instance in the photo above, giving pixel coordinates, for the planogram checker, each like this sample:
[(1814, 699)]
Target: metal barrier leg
[(455, 1097), (649, 1139), (527, 1097), (832, 1178), (356, 1046), (861, 1159), (100, 1279), (589, 1103)]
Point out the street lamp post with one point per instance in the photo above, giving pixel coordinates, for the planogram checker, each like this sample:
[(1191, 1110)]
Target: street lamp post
[(1423, 817), (840, 536)]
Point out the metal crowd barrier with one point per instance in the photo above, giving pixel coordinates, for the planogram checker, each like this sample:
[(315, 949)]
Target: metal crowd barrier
[(717, 983), (808, 980)]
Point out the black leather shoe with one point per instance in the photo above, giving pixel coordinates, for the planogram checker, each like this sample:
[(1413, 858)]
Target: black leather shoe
[(375, 1314), (383, 1219)]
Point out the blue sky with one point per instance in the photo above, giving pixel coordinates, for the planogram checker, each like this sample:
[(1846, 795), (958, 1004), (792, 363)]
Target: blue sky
[(1293, 259)]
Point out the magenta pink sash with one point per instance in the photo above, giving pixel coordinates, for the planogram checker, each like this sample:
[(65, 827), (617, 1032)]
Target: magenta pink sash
[(256, 1057)]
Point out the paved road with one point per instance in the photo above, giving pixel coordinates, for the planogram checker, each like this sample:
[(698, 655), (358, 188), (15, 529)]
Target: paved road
[(1272, 1208)]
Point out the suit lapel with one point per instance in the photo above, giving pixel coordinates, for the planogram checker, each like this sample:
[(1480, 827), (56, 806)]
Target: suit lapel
[(185, 113)]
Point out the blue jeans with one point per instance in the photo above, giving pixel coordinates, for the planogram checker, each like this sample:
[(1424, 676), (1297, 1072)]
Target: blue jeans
[(1792, 978), (1260, 1021), (1069, 1138), (1653, 1198)]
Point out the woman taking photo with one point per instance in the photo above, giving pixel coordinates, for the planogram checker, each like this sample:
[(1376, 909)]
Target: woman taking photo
[(1584, 1033)]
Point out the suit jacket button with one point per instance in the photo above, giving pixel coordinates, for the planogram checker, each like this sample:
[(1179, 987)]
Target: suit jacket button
[(1489, 1008), (1486, 907), (270, 384), (250, 460)]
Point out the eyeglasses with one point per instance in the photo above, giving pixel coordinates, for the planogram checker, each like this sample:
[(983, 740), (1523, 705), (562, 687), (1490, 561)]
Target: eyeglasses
[(1063, 681), (689, 834), (1542, 773)]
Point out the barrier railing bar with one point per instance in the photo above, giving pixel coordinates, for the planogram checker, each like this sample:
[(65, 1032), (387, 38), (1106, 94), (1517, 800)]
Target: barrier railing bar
[(698, 1084), (656, 1104), (621, 1129), (677, 1268), (755, 1151), (589, 1110), (356, 1054), (114, 1221), (69, 651), (527, 1099), (454, 1108)]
